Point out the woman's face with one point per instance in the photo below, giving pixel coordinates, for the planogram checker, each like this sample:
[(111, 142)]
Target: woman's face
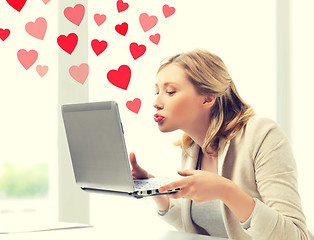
[(178, 104)]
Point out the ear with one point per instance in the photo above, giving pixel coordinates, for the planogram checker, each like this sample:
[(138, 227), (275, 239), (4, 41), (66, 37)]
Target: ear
[(209, 101)]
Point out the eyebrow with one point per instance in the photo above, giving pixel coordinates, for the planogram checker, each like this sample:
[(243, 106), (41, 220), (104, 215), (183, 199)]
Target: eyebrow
[(166, 84)]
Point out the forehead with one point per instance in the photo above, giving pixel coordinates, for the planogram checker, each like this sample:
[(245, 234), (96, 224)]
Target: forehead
[(171, 74)]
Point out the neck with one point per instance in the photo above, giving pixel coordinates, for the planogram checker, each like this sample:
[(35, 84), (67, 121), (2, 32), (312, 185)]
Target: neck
[(198, 131)]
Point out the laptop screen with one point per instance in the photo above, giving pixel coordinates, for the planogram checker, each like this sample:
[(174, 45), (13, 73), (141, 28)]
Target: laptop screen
[(97, 147)]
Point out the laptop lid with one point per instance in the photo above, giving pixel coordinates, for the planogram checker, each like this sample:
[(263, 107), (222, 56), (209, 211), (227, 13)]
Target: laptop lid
[(97, 146)]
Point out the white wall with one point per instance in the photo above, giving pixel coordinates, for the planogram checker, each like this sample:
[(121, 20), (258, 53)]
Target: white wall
[(302, 52)]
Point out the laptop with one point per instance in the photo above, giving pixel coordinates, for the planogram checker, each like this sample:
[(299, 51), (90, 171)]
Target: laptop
[(98, 151)]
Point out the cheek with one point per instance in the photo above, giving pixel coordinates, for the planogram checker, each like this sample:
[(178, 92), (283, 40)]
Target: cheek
[(185, 107)]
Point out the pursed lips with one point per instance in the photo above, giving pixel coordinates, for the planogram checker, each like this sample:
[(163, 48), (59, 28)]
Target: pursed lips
[(158, 118)]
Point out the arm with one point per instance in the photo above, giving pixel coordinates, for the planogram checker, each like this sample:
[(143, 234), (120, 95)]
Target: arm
[(276, 180), (173, 208), (162, 202), (239, 202), (202, 186)]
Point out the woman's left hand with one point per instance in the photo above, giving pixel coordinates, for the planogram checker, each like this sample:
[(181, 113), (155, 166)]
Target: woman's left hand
[(197, 185)]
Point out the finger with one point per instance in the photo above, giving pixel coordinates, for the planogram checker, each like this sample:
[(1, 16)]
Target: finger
[(172, 185), (181, 194), (133, 160), (186, 172)]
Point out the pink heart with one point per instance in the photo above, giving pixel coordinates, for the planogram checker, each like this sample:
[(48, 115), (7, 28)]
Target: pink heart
[(42, 70), (37, 29), (75, 15), (46, 1), (99, 19), (147, 22), (122, 6), (27, 58), (155, 38), (168, 11), (137, 50), (79, 73), (134, 105), (4, 33)]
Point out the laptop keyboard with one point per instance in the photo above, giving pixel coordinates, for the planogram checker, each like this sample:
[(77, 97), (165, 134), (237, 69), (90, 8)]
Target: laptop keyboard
[(148, 184)]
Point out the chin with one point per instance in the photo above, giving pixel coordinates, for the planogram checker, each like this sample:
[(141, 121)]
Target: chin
[(164, 129)]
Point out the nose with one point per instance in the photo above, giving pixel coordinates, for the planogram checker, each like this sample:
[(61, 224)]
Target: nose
[(157, 103)]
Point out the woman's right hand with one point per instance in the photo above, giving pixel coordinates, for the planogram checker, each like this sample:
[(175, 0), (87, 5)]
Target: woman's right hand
[(137, 171), (140, 173)]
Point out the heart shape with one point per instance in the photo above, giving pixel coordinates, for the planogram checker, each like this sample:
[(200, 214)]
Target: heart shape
[(168, 11), (27, 58), (68, 43), (147, 22), (134, 105), (122, 28), (99, 19), (4, 34), (99, 46), (17, 4), (137, 50), (121, 77), (76, 14), (37, 29), (155, 38), (42, 70), (46, 1), (122, 6), (79, 73)]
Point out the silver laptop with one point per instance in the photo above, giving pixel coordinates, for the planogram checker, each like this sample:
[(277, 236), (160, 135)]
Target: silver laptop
[(98, 151)]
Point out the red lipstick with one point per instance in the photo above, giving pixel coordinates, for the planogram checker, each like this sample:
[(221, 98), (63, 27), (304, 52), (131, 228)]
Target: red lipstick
[(158, 118)]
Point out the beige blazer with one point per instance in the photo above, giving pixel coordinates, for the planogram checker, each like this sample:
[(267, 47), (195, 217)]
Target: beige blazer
[(259, 160)]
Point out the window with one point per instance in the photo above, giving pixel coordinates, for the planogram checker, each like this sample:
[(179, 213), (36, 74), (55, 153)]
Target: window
[(28, 122)]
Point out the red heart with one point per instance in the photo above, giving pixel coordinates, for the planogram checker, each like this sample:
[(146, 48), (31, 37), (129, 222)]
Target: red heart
[(99, 46), (147, 22), (122, 28), (168, 11), (155, 38), (121, 77), (134, 105), (68, 43), (4, 33), (17, 4), (122, 6), (137, 50)]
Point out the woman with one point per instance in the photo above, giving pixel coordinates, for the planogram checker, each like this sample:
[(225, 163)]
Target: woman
[(240, 177)]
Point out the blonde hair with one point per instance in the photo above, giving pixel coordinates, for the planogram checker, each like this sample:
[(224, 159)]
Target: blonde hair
[(229, 114)]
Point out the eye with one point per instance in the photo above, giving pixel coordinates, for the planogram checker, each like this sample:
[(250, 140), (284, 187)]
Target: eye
[(171, 93)]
